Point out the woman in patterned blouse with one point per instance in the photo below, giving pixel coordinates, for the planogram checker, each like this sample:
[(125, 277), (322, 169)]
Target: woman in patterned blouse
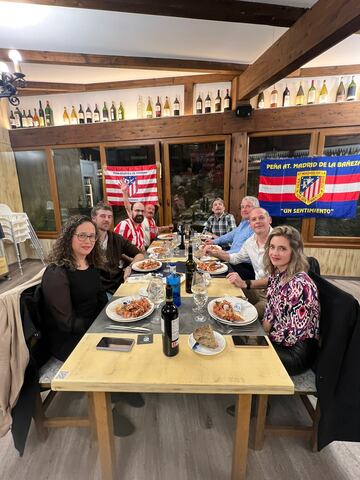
[(292, 312)]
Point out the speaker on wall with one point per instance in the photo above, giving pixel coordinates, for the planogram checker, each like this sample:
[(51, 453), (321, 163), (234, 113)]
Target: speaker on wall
[(244, 111)]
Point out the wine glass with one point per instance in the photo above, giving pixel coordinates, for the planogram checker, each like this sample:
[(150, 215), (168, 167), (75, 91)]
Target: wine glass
[(156, 294), (200, 296)]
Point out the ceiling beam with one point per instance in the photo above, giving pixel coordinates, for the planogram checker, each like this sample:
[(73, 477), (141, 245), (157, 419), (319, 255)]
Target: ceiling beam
[(225, 10), (327, 23), (49, 88), (116, 61), (336, 70)]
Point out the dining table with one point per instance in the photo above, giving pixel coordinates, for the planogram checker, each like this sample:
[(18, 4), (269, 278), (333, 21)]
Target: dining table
[(242, 371)]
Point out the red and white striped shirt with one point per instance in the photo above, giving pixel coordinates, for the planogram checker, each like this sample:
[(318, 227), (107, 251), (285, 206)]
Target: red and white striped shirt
[(150, 230), (132, 231)]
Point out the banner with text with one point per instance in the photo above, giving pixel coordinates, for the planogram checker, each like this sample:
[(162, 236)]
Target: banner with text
[(141, 180), (310, 186)]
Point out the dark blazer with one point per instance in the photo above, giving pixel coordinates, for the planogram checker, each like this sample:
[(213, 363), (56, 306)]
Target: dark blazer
[(338, 367)]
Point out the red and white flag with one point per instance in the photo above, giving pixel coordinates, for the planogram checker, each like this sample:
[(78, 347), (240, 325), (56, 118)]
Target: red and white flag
[(141, 180)]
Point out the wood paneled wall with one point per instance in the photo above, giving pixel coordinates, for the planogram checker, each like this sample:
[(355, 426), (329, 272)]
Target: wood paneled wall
[(337, 261)]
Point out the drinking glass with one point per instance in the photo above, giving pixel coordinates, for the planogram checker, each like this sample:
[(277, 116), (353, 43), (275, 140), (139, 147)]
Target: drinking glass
[(200, 296), (156, 294)]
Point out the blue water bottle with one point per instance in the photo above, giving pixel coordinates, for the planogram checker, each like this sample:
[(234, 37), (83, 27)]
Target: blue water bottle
[(173, 279)]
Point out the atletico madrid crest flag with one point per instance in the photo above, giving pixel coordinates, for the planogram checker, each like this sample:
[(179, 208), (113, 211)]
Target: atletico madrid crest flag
[(141, 180), (311, 186)]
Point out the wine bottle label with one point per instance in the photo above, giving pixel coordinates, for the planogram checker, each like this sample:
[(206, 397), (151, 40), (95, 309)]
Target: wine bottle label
[(157, 108), (198, 106), (96, 117), (323, 98), (176, 111), (226, 103), (287, 101), (340, 97), (207, 103), (273, 99), (311, 96), (175, 332), (261, 104), (80, 115)]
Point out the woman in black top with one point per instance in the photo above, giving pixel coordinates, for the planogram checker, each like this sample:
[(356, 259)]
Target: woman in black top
[(71, 285)]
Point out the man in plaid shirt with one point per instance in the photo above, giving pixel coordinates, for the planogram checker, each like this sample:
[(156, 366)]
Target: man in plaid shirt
[(220, 222)]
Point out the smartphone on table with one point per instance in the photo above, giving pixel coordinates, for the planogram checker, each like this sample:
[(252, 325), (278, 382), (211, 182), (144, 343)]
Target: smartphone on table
[(249, 341), (116, 344)]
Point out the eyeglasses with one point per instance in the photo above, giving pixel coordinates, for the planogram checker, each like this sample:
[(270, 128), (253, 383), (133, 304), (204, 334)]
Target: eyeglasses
[(82, 237)]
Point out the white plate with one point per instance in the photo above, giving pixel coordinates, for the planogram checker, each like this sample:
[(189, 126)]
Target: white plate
[(201, 350), (153, 250), (166, 236), (224, 268), (143, 290), (245, 309), (111, 313), (136, 266)]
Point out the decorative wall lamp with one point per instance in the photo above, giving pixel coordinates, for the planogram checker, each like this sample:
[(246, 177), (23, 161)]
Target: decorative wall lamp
[(9, 83)]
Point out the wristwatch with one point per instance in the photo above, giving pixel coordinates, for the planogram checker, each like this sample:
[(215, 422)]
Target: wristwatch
[(248, 284)]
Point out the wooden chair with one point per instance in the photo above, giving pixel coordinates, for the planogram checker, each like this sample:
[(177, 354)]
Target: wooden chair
[(304, 385), (43, 422)]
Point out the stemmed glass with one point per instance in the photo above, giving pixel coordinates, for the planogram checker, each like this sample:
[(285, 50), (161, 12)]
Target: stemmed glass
[(200, 296), (156, 294)]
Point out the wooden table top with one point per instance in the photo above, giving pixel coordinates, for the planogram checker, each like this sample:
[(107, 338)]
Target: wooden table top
[(146, 369)]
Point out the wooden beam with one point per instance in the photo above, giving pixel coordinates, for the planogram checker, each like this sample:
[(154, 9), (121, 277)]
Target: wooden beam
[(33, 88), (116, 61), (225, 11), (336, 70), (323, 26)]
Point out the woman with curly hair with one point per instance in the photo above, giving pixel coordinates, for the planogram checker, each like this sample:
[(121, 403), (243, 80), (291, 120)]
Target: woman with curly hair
[(71, 285), (292, 311)]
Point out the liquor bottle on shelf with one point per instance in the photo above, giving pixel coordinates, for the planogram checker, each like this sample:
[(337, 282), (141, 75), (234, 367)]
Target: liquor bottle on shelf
[(12, 120), (311, 96), (218, 102), (208, 103), (199, 105), (274, 98), (18, 118), (261, 100), (36, 119), (158, 108), (176, 106), (323, 93), (227, 101), (24, 120), (81, 115), (30, 120), (140, 108), (174, 281), (66, 117), (167, 111), (96, 116), (121, 112), (149, 109), (113, 117), (190, 269), (41, 115), (286, 97), (340, 94), (351, 91), (105, 113), (170, 325), (49, 118), (88, 115), (300, 96), (73, 117)]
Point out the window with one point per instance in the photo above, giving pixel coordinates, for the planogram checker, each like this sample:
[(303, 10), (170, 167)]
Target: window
[(35, 189)]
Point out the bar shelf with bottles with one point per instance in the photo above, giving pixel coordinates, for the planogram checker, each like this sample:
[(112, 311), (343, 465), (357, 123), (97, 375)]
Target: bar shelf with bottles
[(217, 106), (312, 97)]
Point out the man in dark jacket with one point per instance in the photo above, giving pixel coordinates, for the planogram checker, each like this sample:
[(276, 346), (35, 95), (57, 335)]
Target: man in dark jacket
[(118, 250)]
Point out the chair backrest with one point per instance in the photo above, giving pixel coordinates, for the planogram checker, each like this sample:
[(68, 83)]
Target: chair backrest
[(314, 265)]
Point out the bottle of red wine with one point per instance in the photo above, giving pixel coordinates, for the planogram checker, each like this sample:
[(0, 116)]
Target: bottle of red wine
[(208, 103), (286, 97), (176, 107), (158, 108), (18, 118), (199, 105), (227, 101), (190, 269), (96, 114), (88, 115), (41, 115), (218, 102), (170, 325), (81, 115)]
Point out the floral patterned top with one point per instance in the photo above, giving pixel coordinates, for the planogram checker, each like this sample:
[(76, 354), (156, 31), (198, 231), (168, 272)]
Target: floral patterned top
[(292, 309)]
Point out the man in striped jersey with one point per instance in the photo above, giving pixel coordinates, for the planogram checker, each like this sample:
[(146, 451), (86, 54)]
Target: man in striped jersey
[(132, 228)]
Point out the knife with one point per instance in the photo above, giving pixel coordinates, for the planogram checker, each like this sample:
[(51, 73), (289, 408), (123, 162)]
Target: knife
[(128, 329)]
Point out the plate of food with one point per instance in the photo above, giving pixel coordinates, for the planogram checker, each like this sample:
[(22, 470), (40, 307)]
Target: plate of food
[(160, 251), (205, 341), (129, 309), (206, 236), (232, 311), (166, 236), (214, 267), (149, 265)]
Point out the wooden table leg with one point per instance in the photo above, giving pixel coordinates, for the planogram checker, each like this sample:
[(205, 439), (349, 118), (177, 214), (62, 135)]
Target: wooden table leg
[(241, 440), (104, 429)]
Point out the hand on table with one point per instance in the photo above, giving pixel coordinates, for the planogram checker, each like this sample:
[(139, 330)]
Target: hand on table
[(236, 280), (266, 326), (127, 272)]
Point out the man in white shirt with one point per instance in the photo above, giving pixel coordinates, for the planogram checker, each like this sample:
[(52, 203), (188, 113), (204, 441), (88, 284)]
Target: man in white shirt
[(252, 251)]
